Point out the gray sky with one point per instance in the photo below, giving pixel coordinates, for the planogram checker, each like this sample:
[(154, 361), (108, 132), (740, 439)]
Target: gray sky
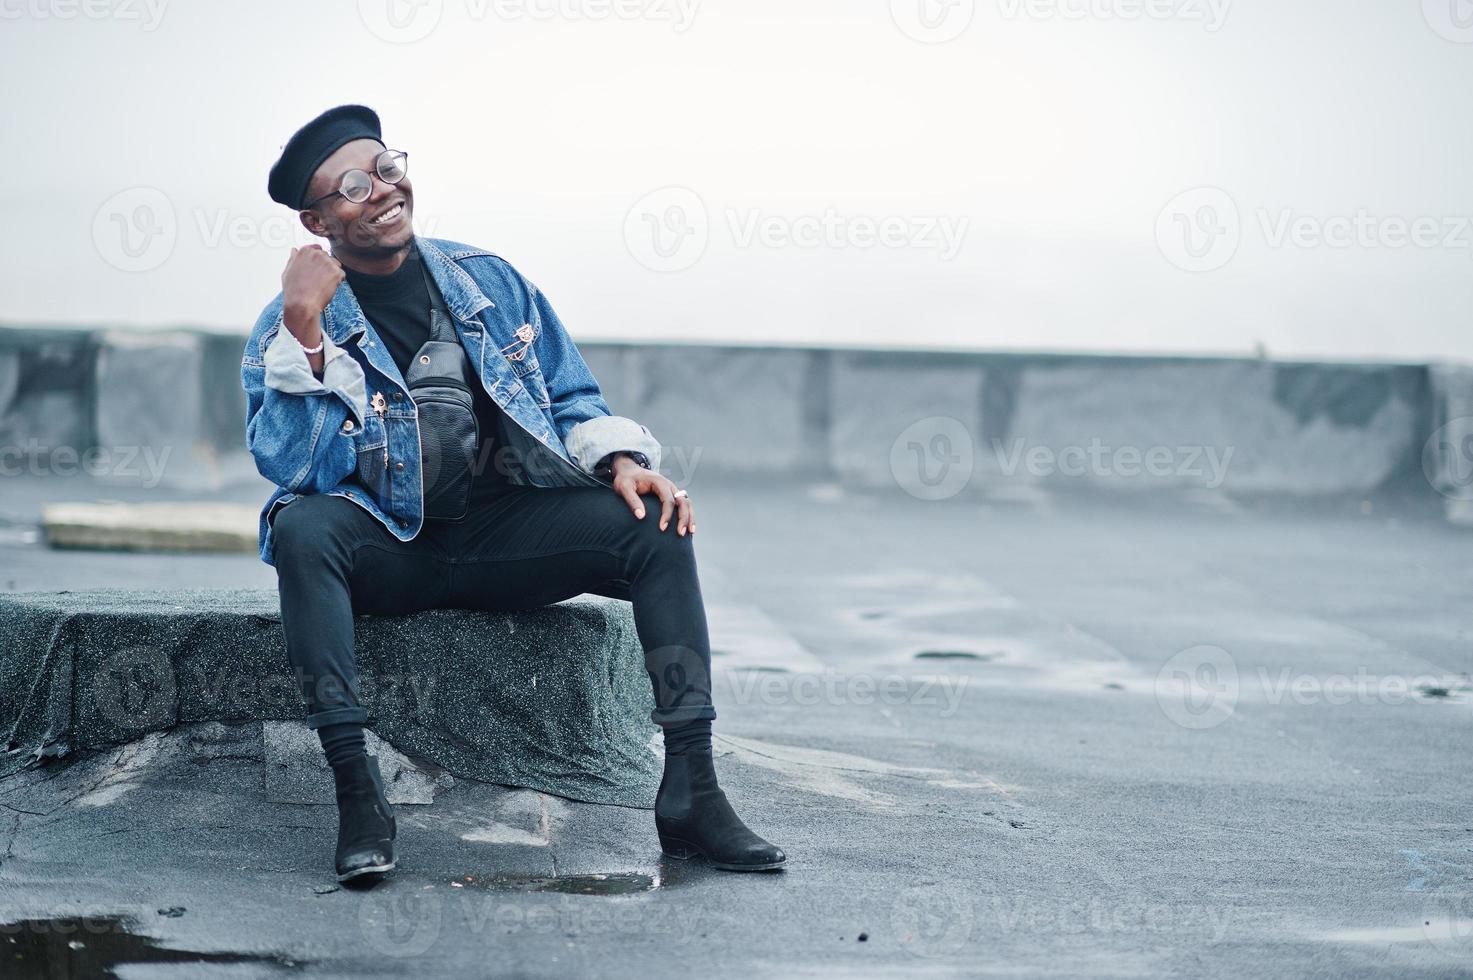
[(1121, 175)]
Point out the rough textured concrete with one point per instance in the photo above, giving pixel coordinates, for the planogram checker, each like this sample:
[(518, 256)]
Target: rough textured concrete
[(181, 526), (752, 416), (169, 409), (1321, 431), (879, 420), (1113, 422), (1447, 456), (554, 698), (137, 374), (45, 394), (965, 721)]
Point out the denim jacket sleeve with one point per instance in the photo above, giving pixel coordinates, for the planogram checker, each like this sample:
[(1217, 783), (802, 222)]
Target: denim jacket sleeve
[(298, 428), (588, 428)]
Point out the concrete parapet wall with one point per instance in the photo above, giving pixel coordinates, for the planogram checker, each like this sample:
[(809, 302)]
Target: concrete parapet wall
[(933, 423), (1447, 455)]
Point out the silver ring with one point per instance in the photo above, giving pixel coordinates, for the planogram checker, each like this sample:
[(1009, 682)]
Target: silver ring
[(681, 493)]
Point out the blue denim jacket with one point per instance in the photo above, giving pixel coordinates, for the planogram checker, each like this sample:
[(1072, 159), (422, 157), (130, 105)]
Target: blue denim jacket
[(335, 436)]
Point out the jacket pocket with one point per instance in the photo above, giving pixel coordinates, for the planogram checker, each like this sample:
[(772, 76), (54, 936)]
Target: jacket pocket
[(372, 470), (520, 353), (536, 386)]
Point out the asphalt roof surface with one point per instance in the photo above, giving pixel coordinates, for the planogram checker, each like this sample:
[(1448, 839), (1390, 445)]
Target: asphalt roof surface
[(1048, 735)]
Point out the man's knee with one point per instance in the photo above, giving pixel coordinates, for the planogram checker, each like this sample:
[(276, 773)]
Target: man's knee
[(305, 525), (650, 539)]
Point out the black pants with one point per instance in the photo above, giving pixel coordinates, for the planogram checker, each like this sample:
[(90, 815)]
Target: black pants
[(523, 547)]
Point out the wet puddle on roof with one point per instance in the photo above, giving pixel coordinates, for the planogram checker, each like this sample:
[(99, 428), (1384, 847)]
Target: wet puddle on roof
[(956, 655), (962, 624), (75, 948), (1451, 692)]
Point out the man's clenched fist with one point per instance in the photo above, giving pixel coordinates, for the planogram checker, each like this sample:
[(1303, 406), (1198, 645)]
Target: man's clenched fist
[(308, 283)]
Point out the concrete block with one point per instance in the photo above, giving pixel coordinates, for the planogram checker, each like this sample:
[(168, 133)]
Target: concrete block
[(1237, 425), (613, 367), (151, 421), (151, 408), (177, 526), (1447, 453), (9, 379), (554, 699), (45, 397), (49, 429), (224, 399), (723, 409), (905, 420)]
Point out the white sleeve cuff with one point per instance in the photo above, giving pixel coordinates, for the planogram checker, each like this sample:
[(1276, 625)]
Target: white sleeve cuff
[(288, 370), (590, 441)]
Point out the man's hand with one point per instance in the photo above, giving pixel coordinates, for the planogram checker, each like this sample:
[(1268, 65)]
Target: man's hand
[(308, 283), (631, 480)]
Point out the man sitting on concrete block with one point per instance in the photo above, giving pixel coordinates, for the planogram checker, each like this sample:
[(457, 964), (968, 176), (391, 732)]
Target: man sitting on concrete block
[(437, 441)]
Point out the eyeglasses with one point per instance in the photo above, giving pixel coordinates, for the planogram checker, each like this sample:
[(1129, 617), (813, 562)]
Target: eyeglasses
[(357, 185)]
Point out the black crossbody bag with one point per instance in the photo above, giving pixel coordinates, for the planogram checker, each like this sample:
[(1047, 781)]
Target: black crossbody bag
[(439, 380)]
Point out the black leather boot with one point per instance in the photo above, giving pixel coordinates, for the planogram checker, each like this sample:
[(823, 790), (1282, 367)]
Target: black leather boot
[(366, 828), (693, 818)]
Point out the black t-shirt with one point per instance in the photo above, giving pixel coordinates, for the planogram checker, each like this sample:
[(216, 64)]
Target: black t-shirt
[(398, 306)]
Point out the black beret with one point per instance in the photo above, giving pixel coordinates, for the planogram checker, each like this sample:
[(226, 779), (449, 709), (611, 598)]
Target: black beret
[(314, 143)]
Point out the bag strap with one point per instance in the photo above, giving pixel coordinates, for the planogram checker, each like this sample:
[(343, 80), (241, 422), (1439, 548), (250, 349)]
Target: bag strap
[(440, 325)]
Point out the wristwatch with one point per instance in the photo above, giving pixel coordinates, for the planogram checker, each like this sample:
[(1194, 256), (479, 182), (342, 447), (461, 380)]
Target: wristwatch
[(605, 466)]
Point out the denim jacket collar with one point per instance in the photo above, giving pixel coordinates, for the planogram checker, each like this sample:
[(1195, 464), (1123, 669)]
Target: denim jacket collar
[(343, 318)]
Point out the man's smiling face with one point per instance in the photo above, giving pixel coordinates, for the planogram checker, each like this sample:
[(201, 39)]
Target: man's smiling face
[(376, 228)]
